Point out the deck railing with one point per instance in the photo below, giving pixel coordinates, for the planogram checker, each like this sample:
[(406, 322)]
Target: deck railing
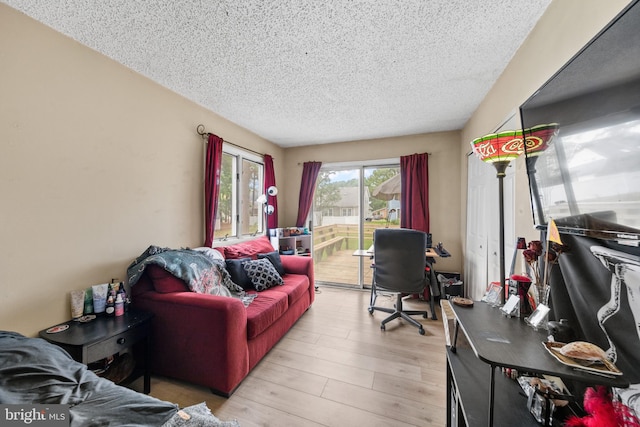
[(328, 239)]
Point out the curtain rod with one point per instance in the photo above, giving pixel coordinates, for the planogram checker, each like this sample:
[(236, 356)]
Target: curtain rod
[(201, 131)]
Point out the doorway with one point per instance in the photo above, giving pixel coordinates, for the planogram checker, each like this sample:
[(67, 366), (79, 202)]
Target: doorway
[(350, 202)]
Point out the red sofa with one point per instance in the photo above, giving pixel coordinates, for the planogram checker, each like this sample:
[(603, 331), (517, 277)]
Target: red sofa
[(215, 341)]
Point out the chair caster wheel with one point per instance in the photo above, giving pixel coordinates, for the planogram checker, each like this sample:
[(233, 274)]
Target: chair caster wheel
[(421, 331), (371, 311), (424, 316), (382, 327)]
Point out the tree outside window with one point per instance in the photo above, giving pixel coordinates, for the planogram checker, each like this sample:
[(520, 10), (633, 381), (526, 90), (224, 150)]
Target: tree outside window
[(241, 183)]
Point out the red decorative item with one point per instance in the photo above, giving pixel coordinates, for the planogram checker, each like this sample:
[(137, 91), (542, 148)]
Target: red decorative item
[(522, 285), (603, 411), (522, 243)]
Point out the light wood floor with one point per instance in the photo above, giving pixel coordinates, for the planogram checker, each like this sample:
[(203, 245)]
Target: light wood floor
[(335, 367)]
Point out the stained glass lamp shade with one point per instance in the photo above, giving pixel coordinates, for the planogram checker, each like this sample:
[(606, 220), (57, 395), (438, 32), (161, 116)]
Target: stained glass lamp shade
[(499, 148)]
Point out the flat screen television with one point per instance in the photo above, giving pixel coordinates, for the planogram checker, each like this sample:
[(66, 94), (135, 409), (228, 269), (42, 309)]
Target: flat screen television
[(585, 170)]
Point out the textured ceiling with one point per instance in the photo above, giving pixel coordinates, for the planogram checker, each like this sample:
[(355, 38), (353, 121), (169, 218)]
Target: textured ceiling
[(300, 72)]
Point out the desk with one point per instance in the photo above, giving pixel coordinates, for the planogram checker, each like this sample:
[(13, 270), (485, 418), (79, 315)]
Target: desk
[(498, 341), (363, 252), (431, 253)]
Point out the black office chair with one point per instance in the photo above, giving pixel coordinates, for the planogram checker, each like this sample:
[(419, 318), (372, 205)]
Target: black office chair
[(399, 266)]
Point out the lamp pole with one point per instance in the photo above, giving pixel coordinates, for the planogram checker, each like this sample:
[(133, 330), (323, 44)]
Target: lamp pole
[(500, 149), (501, 167)]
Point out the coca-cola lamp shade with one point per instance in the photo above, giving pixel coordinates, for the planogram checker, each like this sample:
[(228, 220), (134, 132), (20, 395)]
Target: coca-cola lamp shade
[(499, 147)]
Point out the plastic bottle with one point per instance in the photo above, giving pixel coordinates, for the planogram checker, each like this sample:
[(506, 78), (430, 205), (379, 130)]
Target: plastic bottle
[(123, 294), (119, 305), (111, 303), (88, 301)]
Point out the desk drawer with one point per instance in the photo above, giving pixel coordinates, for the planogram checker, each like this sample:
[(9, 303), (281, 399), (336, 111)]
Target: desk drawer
[(117, 343)]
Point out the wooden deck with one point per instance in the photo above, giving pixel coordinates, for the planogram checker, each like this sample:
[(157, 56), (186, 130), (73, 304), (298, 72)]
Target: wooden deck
[(342, 268)]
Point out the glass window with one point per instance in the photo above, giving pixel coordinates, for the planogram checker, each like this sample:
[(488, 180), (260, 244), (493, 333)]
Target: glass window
[(241, 179), (225, 218), (347, 211), (251, 183)]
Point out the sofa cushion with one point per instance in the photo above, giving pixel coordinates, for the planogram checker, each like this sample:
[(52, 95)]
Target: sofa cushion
[(249, 248), (264, 311), (238, 275), (165, 282), (295, 286), (262, 273), (274, 258)]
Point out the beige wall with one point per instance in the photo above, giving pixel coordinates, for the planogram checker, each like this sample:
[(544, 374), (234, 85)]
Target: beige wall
[(444, 179), (96, 163), (563, 30)]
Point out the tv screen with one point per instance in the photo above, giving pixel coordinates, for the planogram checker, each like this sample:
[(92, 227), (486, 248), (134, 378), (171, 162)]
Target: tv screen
[(583, 145)]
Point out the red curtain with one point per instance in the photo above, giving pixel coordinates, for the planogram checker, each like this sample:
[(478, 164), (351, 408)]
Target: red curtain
[(310, 171), (212, 185), (414, 206), (270, 180)]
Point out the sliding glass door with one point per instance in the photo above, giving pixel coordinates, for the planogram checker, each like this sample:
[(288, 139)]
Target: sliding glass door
[(350, 202)]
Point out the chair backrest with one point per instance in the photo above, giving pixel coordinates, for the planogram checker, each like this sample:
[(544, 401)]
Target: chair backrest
[(399, 257)]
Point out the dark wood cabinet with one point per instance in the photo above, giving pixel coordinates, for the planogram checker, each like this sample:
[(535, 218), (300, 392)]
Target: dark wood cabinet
[(105, 336)]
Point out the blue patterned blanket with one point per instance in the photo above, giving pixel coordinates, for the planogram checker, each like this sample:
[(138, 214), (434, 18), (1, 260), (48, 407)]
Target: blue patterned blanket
[(201, 273)]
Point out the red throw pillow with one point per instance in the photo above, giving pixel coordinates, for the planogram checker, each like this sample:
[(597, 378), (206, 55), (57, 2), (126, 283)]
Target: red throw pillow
[(248, 249)]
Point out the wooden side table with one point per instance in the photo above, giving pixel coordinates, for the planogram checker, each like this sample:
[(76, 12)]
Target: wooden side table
[(105, 336)]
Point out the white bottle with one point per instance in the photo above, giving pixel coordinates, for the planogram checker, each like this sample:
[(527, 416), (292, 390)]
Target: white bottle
[(119, 305)]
